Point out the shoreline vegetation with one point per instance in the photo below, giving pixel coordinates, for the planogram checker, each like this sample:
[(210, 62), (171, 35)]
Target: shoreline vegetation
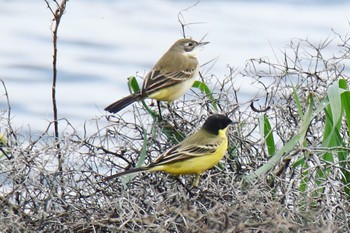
[(286, 169)]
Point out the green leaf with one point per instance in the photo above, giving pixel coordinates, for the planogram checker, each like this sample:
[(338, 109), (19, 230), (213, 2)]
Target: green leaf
[(334, 96), (135, 87), (125, 179), (289, 146), (297, 102), (3, 143), (267, 134), (345, 99), (205, 89), (306, 119), (339, 103), (332, 132), (304, 182), (172, 133)]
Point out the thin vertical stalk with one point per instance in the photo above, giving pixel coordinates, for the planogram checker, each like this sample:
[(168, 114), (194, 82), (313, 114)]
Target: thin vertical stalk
[(57, 16)]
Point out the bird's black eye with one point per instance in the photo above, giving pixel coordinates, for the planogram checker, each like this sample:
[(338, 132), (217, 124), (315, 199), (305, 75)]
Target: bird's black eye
[(190, 44)]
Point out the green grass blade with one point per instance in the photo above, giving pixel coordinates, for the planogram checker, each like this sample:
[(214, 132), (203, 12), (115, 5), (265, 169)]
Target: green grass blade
[(339, 97), (3, 143), (274, 160), (332, 135), (334, 96), (297, 102), (304, 181), (205, 89), (289, 146), (345, 99), (143, 153), (306, 119), (171, 132), (173, 135), (141, 161), (343, 157), (135, 87), (267, 134)]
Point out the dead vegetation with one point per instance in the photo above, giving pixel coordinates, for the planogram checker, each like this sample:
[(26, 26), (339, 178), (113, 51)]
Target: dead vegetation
[(42, 192)]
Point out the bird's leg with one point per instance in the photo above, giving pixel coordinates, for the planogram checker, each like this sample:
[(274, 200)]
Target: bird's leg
[(179, 180), (172, 113), (196, 180), (159, 109)]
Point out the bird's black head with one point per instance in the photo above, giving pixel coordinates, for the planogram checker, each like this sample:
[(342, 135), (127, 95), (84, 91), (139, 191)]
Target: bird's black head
[(216, 122)]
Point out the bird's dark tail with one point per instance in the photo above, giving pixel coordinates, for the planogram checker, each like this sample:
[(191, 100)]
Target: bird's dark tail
[(133, 170), (122, 103)]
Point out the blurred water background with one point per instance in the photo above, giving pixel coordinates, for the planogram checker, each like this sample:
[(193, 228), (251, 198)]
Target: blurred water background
[(102, 42)]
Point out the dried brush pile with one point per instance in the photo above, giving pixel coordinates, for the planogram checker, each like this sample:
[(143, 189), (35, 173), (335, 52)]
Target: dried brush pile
[(49, 185)]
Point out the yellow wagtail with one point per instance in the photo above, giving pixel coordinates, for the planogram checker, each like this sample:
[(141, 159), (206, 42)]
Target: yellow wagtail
[(170, 78), (194, 155)]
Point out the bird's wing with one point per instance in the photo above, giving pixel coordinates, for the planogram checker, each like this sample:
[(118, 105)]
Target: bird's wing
[(156, 80), (180, 153)]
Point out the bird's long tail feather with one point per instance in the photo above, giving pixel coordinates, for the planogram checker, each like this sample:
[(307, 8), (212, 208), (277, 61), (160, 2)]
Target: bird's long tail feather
[(122, 103), (133, 170)]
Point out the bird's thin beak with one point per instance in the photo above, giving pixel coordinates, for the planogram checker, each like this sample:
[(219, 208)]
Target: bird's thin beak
[(202, 43)]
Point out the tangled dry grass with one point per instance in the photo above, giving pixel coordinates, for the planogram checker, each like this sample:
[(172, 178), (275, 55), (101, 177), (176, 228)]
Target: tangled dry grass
[(37, 196)]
